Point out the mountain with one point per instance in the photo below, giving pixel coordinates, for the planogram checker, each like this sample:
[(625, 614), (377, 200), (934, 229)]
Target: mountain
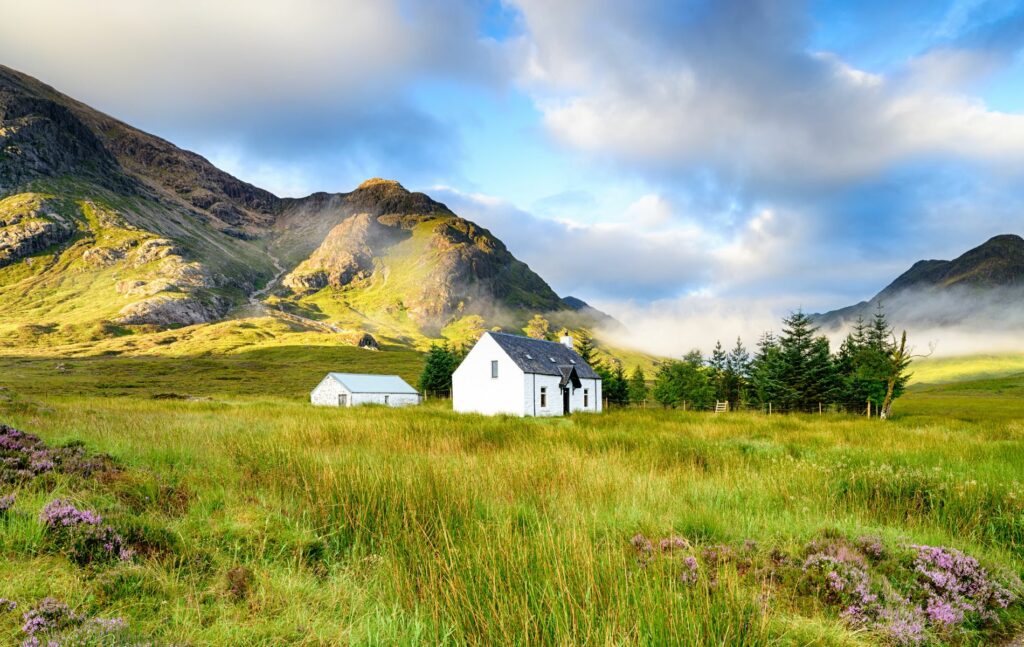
[(109, 232), (982, 287)]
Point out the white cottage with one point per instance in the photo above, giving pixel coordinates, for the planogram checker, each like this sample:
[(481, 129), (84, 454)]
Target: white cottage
[(351, 389), (521, 376)]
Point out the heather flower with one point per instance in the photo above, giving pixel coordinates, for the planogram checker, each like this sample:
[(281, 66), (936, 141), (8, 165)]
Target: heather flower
[(942, 612), (53, 623), (6, 503), (690, 570), (641, 544), (6, 606), (82, 535), (668, 544), (956, 585), (716, 555), (48, 616), (871, 546), (902, 626), (60, 513), (23, 457)]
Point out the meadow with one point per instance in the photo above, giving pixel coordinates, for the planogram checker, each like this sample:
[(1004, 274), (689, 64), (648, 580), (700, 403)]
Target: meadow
[(259, 520)]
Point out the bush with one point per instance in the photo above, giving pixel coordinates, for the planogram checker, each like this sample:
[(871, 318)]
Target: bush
[(81, 535)]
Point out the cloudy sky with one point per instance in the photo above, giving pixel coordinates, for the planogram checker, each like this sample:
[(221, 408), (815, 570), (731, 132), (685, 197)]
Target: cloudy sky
[(739, 158)]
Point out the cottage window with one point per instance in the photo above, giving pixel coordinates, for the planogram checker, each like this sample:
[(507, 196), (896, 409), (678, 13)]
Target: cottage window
[(494, 369), (387, 399), (543, 397), (586, 398)]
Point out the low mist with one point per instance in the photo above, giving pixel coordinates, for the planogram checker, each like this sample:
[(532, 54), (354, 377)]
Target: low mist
[(951, 321)]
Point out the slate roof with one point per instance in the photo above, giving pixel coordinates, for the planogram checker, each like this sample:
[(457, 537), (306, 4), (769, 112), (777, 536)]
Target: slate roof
[(536, 355), (361, 383)]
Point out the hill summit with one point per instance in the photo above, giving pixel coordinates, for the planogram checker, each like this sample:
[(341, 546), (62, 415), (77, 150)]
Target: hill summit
[(981, 287), (108, 231)]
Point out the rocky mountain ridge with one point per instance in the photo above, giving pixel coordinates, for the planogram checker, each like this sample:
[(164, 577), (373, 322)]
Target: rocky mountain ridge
[(982, 286), (102, 222)]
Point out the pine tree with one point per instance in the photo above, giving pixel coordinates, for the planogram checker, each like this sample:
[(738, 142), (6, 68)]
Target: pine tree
[(537, 328), (807, 369), (737, 373), (614, 386), (637, 386), (718, 364), (586, 348), (441, 362), (878, 335), (766, 377)]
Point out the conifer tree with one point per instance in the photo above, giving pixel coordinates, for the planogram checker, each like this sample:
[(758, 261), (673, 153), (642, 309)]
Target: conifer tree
[(718, 364), (637, 386), (766, 370), (737, 369), (436, 378), (586, 348), (614, 385)]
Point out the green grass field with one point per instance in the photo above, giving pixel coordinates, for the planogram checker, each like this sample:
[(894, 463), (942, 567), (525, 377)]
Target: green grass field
[(267, 522)]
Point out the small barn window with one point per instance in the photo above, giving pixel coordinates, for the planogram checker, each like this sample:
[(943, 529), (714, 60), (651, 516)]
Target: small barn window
[(543, 396), (494, 369), (586, 398)]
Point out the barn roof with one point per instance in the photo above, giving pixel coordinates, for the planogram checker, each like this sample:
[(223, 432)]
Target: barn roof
[(542, 357), (363, 383)]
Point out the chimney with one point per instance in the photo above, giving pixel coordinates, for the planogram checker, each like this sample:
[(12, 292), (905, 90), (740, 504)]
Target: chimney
[(567, 341)]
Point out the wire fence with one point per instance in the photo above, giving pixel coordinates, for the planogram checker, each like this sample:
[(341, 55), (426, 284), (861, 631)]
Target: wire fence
[(865, 408)]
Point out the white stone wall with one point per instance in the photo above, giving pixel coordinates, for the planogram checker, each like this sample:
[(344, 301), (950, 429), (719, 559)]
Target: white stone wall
[(534, 383), (327, 394), (475, 391), (390, 399)]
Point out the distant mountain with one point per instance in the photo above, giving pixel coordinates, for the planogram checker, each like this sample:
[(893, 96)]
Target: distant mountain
[(108, 231), (984, 287)]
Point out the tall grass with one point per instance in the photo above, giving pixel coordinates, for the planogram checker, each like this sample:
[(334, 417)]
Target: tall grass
[(376, 526)]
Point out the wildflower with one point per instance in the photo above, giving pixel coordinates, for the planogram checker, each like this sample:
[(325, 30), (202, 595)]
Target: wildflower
[(82, 533), (690, 570), (6, 503), (6, 606), (48, 616), (60, 513), (641, 544), (871, 546), (942, 612), (669, 544)]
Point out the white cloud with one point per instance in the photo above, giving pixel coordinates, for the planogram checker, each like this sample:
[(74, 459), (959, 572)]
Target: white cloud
[(729, 85)]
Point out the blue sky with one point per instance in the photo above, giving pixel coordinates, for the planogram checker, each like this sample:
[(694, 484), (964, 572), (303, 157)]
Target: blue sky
[(657, 158)]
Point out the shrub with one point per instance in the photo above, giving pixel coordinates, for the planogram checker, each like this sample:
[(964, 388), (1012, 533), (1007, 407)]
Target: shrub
[(51, 622), (24, 457), (81, 534)]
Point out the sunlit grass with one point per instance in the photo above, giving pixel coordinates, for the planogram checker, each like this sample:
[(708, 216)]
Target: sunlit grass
[(420, 526)]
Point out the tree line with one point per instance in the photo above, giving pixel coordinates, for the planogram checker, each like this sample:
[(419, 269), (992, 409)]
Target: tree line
[(794, 371)]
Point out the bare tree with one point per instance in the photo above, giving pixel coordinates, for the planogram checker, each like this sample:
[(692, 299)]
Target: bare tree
[(900, 357)]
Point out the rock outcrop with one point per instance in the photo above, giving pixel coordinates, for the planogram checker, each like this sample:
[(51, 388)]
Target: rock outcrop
[(168, 310)]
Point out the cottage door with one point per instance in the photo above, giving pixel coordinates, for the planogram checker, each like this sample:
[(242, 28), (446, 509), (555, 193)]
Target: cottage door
[(343, 399), (565, 401)]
